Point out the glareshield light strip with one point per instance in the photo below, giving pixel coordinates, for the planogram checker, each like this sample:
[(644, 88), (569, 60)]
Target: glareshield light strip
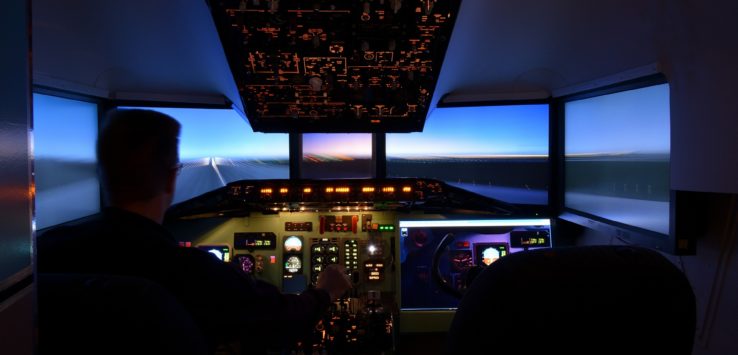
[(476, 223)]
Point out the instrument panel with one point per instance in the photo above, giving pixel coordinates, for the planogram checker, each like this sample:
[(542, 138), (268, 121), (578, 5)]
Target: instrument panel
[(336, 65), (382, 231), (279, 249)]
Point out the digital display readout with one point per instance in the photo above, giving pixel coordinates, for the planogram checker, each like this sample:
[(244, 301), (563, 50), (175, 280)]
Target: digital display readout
[(255, 241), (374, 270), (534, 238)]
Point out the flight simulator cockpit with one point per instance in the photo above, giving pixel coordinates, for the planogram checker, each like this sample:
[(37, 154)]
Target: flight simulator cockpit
[(338, 155), (472, 188)]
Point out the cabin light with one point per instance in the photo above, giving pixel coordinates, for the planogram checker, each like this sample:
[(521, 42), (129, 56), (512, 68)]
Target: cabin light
[(367, 189), (388, 189), (302, 208), (428, 6), (316, 83), (266, 191), (407, 189), (307, 190), (365, 12), (342, 190), (283, 190), (274, 6), (372, 249), (395, 5), (328, 189)]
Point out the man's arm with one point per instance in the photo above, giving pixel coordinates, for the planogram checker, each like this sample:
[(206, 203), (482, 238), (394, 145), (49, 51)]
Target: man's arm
[(229, 304)]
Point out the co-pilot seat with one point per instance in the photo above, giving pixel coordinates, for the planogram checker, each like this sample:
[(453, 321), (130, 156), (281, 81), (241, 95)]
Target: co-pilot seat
[(106, 314), (582, 300)]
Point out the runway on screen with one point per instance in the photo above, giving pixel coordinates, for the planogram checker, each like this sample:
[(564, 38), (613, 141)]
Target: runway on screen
[(203, 175)]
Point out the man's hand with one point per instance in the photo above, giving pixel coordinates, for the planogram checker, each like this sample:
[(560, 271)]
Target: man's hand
[(334, 280)]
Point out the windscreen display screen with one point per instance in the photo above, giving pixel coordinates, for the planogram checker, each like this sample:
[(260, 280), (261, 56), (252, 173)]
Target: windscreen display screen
[(617, 153), (496, 151), (337, 156), (217, 146), (64, 136), (475, 243)]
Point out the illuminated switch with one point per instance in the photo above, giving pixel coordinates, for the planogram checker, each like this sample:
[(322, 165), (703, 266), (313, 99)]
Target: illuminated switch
[(272, 259)]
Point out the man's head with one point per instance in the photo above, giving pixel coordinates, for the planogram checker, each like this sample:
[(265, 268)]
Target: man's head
[(137, 155)]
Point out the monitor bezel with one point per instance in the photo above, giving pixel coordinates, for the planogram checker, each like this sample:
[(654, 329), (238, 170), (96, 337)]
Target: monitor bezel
[(298, 163), (551, 192), (623, 232), (449, 220)]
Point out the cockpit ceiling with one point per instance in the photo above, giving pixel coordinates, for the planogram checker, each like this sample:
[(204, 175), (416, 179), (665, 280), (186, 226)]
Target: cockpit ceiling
[(336, 65)]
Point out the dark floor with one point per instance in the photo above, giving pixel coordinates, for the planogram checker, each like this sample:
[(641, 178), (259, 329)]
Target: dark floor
[(421, 344)]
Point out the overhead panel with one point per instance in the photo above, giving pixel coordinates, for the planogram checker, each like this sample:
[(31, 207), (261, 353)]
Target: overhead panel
[(336, 66)]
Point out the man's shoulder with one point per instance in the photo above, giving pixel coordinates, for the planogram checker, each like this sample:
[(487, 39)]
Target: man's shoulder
[(74, 230)]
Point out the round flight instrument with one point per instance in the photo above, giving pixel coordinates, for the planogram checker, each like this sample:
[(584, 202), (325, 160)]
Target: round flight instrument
[(293, 264), (490, 255), (462, 260), (293, 244), (246, 262)]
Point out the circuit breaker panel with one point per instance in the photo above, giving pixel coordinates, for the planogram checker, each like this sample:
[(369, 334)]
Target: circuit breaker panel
[(335, 65)]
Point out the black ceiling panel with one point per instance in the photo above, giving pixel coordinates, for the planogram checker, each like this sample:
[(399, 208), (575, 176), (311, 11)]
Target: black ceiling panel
[(336, 66)]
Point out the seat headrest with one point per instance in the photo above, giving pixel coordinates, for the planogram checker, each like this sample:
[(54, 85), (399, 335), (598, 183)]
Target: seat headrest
[(589, 299)]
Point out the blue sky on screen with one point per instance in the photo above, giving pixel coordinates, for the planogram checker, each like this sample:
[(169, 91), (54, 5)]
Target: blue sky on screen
[(634, 121), (63, 128), (223, 133), (337, 144), (484, 130)]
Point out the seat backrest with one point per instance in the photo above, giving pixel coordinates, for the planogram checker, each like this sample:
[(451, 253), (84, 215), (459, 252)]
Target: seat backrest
[(581, 300), (104, 314)]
